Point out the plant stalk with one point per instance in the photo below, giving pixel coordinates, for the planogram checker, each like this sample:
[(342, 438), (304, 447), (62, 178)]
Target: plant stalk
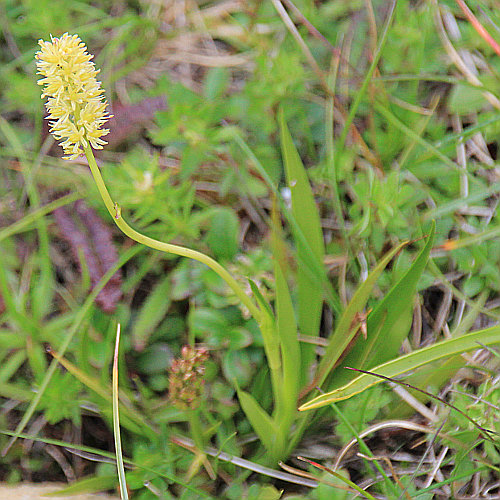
[(115, 212)]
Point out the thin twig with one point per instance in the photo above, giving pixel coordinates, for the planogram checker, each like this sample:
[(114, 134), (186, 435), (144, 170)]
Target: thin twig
[(479, 27)]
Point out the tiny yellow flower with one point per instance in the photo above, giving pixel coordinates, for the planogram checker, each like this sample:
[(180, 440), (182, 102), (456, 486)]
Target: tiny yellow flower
[(76, 106)]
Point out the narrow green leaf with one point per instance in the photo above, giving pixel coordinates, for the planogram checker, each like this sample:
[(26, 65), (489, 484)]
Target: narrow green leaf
[(14, 309), (390, 321), (286, 327), (262, 423), (290, 348), (10, 365), (88, 485), (344, 332), (439, 373), (131, 418), (260, 298), (303, 205), (455, 204), (305, 213), (37, 359), (456, 477), (151, 313), (267, 327), (408, 362), (431, 377)]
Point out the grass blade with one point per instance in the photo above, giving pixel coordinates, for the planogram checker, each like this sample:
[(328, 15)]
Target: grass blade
[(116, 423)]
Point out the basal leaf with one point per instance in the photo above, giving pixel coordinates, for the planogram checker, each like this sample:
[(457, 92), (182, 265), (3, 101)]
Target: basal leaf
[(408, 362), (290, 349), (306, 216), (345, 332), (262, 423), (388, 324), (266, 308)]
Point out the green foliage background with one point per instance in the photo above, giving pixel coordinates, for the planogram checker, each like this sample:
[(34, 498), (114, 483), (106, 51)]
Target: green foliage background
[(199, 174)]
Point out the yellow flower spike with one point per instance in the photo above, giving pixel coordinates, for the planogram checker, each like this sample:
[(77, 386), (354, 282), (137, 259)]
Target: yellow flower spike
[(77, 110), (76, 106)]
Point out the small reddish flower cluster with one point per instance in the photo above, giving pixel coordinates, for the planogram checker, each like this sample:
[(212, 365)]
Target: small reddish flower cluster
[(186, 377)]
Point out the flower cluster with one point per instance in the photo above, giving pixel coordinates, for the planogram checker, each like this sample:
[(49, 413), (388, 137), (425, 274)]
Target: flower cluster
[(186, 377), (76, 106)]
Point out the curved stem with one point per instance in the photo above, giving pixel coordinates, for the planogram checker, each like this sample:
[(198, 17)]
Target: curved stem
[(115, 212)]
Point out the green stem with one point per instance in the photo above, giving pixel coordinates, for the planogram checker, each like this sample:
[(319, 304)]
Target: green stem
[(196, 429), (115, 212)]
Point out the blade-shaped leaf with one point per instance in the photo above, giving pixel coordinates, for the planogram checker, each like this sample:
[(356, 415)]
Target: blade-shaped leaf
[(408, 362), (130, 417), (151, 313), (267, 327), (290, 349), (389, 323), (344, 333), (286, 327), (262, 423), (305, 213), (87, 485), (265, 307)]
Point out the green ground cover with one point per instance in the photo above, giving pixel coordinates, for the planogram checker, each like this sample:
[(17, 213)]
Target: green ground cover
[(338, 159)]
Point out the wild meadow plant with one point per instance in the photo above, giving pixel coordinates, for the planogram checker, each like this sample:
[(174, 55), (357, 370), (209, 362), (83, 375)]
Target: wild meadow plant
[(364, 341)]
